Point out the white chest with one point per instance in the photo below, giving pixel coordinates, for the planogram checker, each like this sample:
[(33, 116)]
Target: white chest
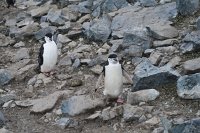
[(113, 80)]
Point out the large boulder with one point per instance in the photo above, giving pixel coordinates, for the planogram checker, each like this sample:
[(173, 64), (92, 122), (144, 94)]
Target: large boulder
[(133, 19), (148, 76)]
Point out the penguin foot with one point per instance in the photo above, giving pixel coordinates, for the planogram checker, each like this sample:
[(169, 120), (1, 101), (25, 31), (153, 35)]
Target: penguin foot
[(120, 101)]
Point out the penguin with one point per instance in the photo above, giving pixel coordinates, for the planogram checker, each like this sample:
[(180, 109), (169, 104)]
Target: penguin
[(113, 78), (10, 3), (48, 55)]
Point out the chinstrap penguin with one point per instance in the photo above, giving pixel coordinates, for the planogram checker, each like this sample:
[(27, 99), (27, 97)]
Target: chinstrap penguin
[(48, 54), (113, 78), (10, 3)]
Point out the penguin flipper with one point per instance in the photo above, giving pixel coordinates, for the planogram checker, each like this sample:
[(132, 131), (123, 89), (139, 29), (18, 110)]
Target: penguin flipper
[(127, 76), (40, 56)]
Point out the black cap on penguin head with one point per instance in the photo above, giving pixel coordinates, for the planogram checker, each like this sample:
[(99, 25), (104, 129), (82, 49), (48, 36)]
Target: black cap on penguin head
[(50, 36), (113, 55)]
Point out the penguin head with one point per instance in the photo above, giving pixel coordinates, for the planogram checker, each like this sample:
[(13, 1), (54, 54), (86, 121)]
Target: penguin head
[(48, 37), (113, 59)]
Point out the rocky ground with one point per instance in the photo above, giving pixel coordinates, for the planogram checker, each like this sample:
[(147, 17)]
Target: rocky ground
[(156, 40)]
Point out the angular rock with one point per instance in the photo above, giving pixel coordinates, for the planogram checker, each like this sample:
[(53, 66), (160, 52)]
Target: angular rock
[(5, 77), (97, 69), (142, 96), (167, 42), (110, 113), (132, 20), (54, 16), (174, 62), (98, 30), (2, 120), (76, 63), (22, 53), (132, 112), (99, 60), (188, 47), (25, 31), (65, 61), (39, 11), (5, 41), (63, 39), (116, 45), (191, 126), (162, 32), (148, 3), (43, 104), (153, 121), (74, 34), (187, 7), (42, 32), (155, 57), (6, 98), (80, 104), (65, 122), (192, 66), (188, 86), (148, 76), (19, 44)]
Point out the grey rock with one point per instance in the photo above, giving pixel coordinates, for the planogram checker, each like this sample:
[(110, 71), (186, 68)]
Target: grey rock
[(97, 69), (5, 77), (192, 66), (98, 30), (19, 44), (43, 104), (2, 120), (191, 42), (5, 41), (142, 96), (107, 6), (63, 39), (169, 50), (191, 126), (132, 20), (74, 82), (10, 22), (76, 63), (101, 59), (81, 8), (94, 116), (188, 86), (162, 32), (42, 32), (66, 122), (65, 28), (148, 3), (74, 34), (39, 11), (65, 61), (149, 51), (174, 62), (152, 121), (198, 23), (79, 104), (155, 57), (3, 130), (116, 45), (70, 15), (166, 124), (131, 113), (158, 130), (148, 76), (22, 53), (55, 17), (110, 113), (187, 7), (133, 51), (167, 42), (25, 31), (6, 98), (188, 47), (85, 61), (137, 60)]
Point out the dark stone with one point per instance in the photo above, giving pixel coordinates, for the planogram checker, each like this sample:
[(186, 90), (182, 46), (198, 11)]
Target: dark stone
[(54, 16), (192, 126), (42, 32), (187, 7), (198, 23), (148, 76), (2, 120), (99, 30), (148, 3)]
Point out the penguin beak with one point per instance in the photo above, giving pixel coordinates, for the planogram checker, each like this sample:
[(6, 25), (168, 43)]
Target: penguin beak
[(115, 59)]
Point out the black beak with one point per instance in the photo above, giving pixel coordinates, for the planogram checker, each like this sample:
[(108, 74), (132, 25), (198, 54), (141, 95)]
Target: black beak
[(115, 59)]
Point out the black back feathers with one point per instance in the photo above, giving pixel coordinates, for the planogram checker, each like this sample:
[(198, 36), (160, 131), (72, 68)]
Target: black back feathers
[(10, 3), (40, 56)]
